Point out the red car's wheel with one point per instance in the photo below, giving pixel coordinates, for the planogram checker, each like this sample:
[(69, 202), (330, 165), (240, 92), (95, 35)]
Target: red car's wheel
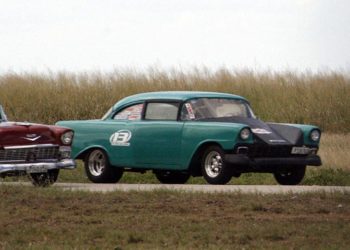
[(44, 179)]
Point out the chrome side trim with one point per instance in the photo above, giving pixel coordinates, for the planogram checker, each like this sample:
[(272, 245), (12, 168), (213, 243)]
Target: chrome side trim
[(22, 161), (32, 146)]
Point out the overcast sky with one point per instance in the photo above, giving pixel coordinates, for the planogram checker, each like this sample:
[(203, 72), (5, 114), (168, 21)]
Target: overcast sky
[(84, 35)]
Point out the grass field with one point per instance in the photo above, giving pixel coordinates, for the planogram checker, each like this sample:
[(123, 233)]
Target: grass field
[(33, 218)]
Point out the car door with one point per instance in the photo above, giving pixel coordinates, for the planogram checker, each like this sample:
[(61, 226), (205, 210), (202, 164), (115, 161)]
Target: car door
[(157, 137), (121, 137)]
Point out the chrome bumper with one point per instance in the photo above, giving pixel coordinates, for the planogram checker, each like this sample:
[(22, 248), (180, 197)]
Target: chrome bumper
[(26, 167)]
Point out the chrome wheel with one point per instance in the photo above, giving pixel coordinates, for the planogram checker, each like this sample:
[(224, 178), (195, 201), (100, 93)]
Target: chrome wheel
[(98, 168), (97, 163), (213, 164)]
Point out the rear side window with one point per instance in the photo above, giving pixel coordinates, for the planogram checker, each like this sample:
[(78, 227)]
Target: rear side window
[(162, 111), (130, 113)]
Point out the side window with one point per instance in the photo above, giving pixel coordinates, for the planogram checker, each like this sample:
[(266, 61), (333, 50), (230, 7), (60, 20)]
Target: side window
[(162, 111), (187, 112), (130, 113)]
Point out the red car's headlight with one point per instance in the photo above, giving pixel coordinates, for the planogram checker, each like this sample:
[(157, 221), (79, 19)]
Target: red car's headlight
[(67, 138)]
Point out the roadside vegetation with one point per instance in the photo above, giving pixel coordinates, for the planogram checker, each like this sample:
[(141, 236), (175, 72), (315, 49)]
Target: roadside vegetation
[(56, 219), (316, 98)]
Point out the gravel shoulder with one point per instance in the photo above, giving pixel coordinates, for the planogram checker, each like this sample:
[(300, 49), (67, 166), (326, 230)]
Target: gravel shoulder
[(263, 189)]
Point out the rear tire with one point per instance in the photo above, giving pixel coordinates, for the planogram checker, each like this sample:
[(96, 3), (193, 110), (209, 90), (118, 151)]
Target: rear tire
[(172, 177), (291, 176), (213, 165), (99, 170), (44, 179)]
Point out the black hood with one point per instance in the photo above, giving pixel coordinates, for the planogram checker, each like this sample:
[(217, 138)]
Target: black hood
[(270, 133)]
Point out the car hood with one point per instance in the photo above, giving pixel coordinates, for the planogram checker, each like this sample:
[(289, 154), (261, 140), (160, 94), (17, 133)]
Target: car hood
[(270, 133), (19, 133)]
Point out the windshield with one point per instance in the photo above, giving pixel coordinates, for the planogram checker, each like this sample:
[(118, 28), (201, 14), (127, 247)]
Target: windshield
[(2, 115), (104, 117), (206, 108)]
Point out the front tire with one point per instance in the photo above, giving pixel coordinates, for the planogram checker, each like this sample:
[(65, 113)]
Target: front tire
[(172, 177), (213, 166), (44, 179), (99, 170), (291, 176)]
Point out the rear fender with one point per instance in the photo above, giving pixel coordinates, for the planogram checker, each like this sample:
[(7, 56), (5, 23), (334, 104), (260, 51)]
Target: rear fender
[(82, 154)]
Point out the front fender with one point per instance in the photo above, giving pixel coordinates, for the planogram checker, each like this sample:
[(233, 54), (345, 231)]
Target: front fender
[(306, 129), (197, 134)]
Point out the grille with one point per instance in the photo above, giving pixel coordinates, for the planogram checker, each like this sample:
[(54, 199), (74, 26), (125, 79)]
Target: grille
[(28, 154), (264, 150), (270, 151)]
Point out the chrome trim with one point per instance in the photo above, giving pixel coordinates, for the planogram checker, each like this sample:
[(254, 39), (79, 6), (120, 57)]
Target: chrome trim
[(22, 161), (31, 139), (246, 149), (24, 167), (32, 146)]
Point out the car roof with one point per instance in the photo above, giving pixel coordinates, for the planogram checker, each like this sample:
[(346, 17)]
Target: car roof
[(174, 95)]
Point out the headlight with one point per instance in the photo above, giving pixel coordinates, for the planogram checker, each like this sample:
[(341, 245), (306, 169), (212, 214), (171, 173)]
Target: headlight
[(315, 135), (67, 138), (245, 133)]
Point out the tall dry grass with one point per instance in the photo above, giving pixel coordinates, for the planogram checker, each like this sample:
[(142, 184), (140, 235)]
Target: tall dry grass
[(321, 98), (335, 151)]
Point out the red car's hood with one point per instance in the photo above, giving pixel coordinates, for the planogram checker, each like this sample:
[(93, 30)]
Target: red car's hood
[(20, 133)]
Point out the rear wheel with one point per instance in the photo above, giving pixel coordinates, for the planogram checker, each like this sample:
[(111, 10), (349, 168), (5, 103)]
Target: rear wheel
[(292, 176), (172, 177), (99, 170), (44, 179), (213, 165)]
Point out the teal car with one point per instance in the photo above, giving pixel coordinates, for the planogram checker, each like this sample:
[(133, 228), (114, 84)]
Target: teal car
[(178, 134)]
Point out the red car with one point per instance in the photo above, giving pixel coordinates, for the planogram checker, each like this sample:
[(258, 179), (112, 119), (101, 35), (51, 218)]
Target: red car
[(39, 151)]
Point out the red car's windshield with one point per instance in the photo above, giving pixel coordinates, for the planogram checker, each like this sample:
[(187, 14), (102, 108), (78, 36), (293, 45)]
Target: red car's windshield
[(2, 115)]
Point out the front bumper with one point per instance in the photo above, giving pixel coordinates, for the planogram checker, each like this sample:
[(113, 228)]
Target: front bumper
[(29, 167), (270, 163)]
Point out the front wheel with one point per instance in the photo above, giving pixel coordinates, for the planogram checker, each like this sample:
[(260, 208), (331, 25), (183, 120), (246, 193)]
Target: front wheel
[(44, 179), (99, 170), (214, 168), (172, 177), (292, 176)]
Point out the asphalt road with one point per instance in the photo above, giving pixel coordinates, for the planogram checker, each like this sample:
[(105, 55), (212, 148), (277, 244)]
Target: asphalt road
[(263, 189)]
